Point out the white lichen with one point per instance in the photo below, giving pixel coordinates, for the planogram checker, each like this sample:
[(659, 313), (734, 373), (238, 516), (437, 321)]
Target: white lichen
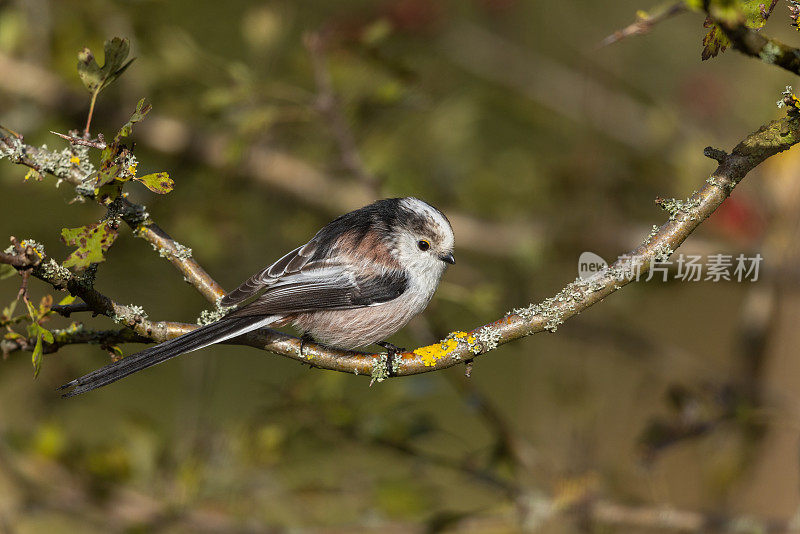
[(488, 337), (14, 152), (680, 208), (212, 316), (662, 253), (380, 368), (181, 252), (770, 52), (54, 273)]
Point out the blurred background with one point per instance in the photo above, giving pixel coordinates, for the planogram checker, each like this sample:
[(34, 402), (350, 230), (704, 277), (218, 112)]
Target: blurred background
[(668, 407)]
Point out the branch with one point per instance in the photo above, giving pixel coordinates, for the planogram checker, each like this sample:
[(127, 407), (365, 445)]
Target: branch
[(644, 24), (134, 215), (459, 347), (72, 336), (134, 317), (66, 310), (755, 44)]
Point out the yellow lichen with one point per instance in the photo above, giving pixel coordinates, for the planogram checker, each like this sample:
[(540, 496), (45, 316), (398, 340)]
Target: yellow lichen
[(25, 244), (465, 336), (431, 354), (75, 160)]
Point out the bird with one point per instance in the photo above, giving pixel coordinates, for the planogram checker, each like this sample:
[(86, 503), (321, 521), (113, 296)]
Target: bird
[(359, 280)]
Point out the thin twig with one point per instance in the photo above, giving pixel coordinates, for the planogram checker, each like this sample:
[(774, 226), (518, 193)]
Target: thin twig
[(99, 143), (137, 218), (91, 112), (644, 24)]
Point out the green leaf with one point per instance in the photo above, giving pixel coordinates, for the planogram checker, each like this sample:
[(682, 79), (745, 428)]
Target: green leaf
[(107, 185), (142, 109), (115, 351), (47, 335), (6, 271), (36, 358), (92, 241), (8, 311), (69, 299), (32, 314), (97, 78), (106, 176), (108, 193), (748, 11), (37, 330), (158, 182)]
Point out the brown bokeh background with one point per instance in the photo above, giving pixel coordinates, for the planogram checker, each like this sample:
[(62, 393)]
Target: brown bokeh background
[(673, 397)]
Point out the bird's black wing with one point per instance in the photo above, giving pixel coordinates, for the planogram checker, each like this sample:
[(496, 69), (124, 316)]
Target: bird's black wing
[(326, 285), (315, 276)]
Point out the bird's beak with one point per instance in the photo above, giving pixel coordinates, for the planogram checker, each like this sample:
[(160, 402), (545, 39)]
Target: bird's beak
[(448, 258)]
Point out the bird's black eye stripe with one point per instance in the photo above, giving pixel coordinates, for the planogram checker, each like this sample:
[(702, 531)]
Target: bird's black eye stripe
[(423, 245)]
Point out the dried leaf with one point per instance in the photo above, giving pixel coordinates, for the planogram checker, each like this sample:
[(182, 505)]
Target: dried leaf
[(157, 182), (714, 42), (92, 241)]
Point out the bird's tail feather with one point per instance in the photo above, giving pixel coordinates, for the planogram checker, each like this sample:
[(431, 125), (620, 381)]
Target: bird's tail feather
[(204, 336)]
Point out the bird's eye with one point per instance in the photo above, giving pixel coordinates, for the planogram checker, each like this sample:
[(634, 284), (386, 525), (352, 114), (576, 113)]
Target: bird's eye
[(423, 245)]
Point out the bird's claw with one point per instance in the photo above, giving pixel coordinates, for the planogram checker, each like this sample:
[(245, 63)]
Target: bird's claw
[(391, 352)]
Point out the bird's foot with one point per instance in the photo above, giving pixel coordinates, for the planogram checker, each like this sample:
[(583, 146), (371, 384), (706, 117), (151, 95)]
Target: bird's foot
[(305, 338), (391, 352)]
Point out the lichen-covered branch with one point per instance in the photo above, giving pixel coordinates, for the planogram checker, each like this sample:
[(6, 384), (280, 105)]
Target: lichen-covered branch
[(73, 335), (461, 347), (685, 217), (72, 166), (134, 317)]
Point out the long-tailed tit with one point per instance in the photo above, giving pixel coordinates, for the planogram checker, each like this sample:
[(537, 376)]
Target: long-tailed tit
[(359, 280)]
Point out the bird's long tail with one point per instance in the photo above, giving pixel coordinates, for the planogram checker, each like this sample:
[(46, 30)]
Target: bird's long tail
[(204, 336)]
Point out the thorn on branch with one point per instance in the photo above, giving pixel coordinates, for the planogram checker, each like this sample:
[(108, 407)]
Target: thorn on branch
[(716, 154), (99, 143), (644, 24), (12, 132), (66, 309)]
